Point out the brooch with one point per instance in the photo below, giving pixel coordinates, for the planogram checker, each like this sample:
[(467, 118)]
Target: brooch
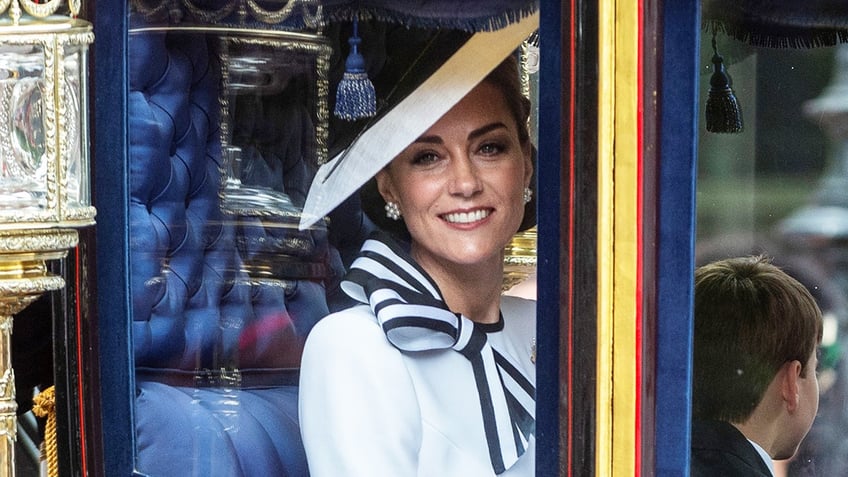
[(533, 351)]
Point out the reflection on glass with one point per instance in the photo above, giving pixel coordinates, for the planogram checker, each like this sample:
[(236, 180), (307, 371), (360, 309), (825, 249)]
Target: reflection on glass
[(239, 197), (226, 128), (23, 175), (779, 188), (269, 142), (25, 115), (74, 139)]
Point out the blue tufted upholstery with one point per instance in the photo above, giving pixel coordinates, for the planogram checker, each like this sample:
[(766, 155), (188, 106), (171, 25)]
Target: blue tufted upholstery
[(194, 307)]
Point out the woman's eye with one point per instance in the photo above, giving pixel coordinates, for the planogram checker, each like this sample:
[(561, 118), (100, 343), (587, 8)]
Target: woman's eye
[(492, 148), (425, 158)]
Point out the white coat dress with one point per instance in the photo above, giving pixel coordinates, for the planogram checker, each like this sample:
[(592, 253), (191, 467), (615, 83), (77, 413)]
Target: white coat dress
[(366, 409)]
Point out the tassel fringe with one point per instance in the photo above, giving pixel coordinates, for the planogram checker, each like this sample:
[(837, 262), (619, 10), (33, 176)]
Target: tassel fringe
[(723, 113), (44, 405), (355, 96)]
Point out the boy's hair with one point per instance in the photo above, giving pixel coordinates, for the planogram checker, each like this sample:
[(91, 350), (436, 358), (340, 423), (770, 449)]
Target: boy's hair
[(750, 319)]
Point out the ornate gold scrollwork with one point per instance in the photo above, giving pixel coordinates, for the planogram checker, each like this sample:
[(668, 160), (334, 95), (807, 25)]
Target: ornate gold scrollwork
[(36, 10), (269, 16), (210, 16), (4, 5), (41, 10), (150, 11), (74, 6)]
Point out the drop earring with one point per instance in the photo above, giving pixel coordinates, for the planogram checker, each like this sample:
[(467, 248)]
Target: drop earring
[(528, 195), (392, 210)]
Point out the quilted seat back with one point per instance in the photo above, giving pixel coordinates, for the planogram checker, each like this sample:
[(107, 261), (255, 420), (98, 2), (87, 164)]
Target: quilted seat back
[(216, 346)]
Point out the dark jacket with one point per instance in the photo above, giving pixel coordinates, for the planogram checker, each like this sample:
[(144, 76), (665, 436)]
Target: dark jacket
[(719, 449)]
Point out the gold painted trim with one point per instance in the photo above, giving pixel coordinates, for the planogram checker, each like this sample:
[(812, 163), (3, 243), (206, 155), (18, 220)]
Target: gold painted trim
[(606, 256), (618, 157)]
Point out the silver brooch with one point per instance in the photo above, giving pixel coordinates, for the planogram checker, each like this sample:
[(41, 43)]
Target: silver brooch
[(533, 351)]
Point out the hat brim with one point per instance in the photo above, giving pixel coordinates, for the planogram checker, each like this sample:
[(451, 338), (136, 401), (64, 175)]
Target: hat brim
[(375, 147)]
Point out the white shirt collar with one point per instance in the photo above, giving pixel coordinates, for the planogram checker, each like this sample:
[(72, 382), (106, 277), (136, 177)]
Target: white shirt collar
[(763, 455)]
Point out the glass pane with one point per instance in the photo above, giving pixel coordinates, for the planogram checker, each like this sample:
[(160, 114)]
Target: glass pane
[(779, 188), (23, 176), (76, 148), (228, 123), (226, 129)]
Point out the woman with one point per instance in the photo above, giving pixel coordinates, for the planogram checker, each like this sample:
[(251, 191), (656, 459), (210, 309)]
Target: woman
[(432, 373)]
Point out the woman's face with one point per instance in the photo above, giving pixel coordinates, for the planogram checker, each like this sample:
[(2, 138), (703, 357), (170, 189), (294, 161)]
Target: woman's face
[(460, 185)]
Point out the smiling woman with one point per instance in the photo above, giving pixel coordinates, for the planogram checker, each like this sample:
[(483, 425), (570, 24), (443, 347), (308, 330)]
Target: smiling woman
[(434, 365), (460, 186)]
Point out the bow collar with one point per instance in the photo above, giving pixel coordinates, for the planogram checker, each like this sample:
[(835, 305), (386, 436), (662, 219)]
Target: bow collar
[(412, 313)]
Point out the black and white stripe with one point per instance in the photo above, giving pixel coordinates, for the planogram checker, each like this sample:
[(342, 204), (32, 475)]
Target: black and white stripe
[(409, 307)]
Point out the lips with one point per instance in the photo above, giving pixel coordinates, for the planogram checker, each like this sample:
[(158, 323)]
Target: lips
[(466, 217)]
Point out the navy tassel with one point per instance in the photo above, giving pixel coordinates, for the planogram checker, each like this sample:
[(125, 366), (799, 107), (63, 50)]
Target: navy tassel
[(355, 96), (722, 112)]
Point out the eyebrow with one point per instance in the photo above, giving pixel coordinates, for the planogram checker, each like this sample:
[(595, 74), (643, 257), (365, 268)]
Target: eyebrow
[(472, 135)]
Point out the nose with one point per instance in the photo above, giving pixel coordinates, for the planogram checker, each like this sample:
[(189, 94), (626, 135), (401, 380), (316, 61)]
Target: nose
[(466, 178)]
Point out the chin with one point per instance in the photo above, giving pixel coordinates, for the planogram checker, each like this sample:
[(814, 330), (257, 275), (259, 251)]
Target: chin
[(469, 258)]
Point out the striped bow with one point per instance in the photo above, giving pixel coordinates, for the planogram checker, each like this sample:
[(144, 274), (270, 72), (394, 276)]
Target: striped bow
[(409, 307)]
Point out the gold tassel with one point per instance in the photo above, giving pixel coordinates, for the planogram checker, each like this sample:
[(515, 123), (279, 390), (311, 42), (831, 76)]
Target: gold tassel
[(44, 405)]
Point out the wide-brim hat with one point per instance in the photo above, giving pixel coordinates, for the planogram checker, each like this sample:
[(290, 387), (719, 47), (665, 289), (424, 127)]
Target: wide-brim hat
[(463, 60)]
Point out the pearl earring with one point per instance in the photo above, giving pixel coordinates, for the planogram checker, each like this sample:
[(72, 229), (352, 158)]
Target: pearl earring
[(392, 210), (528, 195)]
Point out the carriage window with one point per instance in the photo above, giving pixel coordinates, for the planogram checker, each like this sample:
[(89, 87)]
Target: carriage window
[(780, 187)]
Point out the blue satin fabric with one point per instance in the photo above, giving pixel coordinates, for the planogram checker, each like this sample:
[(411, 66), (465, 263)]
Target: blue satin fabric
[(193, 306)]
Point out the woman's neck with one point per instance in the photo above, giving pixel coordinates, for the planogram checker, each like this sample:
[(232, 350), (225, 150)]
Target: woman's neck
[(472, 290)]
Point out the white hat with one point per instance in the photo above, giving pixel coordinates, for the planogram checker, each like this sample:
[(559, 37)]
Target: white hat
[(381, 142)]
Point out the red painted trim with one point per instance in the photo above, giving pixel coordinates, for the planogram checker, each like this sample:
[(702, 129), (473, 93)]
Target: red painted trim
[(640, 83), (640, 162), (571, 133)]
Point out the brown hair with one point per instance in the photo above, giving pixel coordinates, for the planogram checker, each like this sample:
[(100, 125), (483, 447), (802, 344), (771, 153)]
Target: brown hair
[(507, 79), (750, 318)]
